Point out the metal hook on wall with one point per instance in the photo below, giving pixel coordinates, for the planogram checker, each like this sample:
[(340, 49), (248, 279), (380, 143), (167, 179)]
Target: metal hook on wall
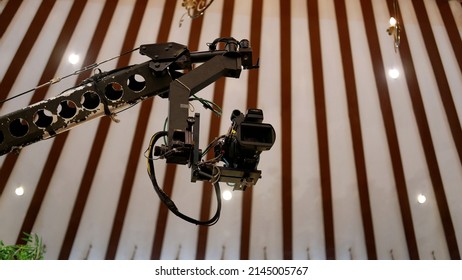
[(178, 252), (88, 252), (223, 249), (391, 254), (134, 252)]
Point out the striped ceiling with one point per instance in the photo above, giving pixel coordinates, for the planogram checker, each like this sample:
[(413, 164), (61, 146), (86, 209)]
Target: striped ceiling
[(354, 147)]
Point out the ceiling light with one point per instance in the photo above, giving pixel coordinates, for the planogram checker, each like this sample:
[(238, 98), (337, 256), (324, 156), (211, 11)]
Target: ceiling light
[(19, 191), (421, 198), (393, 73), (73, 58), (393, 21), (227, 195)]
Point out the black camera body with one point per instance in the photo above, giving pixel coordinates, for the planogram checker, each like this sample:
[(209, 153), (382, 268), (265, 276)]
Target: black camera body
[(247, 138), (239, 151)]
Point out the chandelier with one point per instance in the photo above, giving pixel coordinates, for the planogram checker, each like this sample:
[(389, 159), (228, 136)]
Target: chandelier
[(195, 8)]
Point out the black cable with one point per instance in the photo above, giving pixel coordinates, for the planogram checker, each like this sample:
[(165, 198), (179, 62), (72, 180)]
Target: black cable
[(77, 72), (166, 199)]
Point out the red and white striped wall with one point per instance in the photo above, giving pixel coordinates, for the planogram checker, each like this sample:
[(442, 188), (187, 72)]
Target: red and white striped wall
[(355, 148)]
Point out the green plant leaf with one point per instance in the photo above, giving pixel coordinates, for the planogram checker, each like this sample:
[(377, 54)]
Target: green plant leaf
[(34, 249)]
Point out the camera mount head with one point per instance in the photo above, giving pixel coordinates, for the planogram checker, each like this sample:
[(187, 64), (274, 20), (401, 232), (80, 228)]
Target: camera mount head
[(240, 149)]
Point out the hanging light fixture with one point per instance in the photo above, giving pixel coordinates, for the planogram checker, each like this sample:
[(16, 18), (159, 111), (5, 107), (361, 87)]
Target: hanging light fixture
[(195, 8), (395, 28)]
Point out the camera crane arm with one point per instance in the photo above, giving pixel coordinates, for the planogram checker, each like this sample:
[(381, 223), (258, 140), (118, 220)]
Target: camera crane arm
[(107, 93)]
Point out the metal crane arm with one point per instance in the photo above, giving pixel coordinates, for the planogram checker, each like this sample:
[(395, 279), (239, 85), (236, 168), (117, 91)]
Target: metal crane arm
[(107, 93)]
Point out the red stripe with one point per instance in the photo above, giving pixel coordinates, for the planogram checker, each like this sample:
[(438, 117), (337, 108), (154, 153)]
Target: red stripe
[(11, 159), (161, 223), (453, 120), (252, 100), (321, 125), (25, 47), (134, 156), (390, 127), (226, 24), (7, 15), (355, 126), (85, 185), (441, 79), (451, 28), (193, 45), (286, 128), (48, 73)]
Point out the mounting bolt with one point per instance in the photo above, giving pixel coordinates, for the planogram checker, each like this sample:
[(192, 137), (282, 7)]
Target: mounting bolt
[(191, 121), (244, 43)]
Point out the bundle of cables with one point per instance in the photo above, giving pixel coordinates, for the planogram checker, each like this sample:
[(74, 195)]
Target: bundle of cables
[(210, 105), (165, 198)]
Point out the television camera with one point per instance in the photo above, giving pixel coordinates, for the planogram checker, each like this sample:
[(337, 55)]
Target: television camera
[(170, 75)]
